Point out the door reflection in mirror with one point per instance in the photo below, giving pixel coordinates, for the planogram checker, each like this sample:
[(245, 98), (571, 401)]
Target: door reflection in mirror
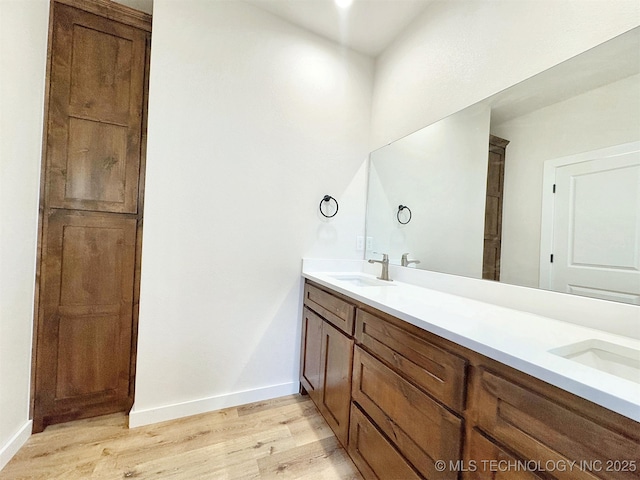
[(587, 103)]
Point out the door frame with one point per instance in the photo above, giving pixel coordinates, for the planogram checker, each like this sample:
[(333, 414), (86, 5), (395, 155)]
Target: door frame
[(548, 199), (141, 20)]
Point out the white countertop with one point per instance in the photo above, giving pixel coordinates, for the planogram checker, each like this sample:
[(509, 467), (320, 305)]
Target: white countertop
[(518, 339)]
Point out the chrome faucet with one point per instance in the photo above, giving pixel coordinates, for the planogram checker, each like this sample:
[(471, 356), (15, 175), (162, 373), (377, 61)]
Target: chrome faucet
[(405, 262), (384, 275)]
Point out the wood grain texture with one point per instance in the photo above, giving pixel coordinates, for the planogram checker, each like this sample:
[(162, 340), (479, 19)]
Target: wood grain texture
[(84, 338), (90, 225), (95, 112), (141, 187), (114, 11), (311, 353), (374, 454), (327, 356), (336, 361), (41, 221), (493, 209), (507, 416), (487, 461), (437, 371), (421, 429), (330, 307), (284, 438), (536, 428)]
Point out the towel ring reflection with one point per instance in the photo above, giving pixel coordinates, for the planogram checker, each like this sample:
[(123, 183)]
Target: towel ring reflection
[(327, 199), (400, 209)]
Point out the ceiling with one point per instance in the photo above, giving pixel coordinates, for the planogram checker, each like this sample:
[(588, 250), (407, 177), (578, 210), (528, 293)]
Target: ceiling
[(606, 63), (367, 26)]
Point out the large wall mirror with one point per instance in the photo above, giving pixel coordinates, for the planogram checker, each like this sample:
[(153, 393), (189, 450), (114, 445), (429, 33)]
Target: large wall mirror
[(538, 185)]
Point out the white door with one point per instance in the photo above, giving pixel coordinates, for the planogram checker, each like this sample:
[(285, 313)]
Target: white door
[(596, 226)]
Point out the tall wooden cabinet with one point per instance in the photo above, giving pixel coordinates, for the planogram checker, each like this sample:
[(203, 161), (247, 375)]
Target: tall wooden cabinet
[(91, 211), (493, 209)]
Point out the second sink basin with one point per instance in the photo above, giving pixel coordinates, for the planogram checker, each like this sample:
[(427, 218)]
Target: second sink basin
[(623, 362), (362, 280)]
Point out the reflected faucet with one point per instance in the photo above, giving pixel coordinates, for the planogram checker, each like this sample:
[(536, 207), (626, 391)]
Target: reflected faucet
[(405, 262), (384, 275)]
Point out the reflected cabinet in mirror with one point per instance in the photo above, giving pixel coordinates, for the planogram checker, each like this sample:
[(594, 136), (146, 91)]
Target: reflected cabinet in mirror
[(538, 185)]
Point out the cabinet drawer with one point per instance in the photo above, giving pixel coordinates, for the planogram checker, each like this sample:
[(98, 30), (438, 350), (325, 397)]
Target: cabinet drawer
[(331, 308), (538, 428), (422, 430), (484, 460), (373, 454), (437, 371)]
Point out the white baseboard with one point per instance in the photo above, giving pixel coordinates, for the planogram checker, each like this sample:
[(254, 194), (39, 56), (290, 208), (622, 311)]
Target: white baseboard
[(139, 418), (8, 450)]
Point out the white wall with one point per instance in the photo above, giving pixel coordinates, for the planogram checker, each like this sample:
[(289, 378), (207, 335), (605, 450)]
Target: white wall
[(443, 181), (251, 122), (23, 44), (459, 52), (562, 129)]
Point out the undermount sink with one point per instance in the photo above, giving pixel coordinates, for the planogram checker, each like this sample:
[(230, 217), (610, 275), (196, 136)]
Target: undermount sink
[(362, 280), (623, 362)]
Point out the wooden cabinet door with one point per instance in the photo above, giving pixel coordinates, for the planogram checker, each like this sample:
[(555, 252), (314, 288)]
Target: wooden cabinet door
[(95, 112), (493, 209), (91, 216), (84, 345), (310, 361), (336, 361), (327, 356)]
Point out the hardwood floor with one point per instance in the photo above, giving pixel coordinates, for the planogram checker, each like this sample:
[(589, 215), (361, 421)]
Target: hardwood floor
[(284, 438)]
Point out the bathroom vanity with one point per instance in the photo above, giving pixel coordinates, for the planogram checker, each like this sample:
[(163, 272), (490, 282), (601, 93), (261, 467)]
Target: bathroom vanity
[(422, 384)]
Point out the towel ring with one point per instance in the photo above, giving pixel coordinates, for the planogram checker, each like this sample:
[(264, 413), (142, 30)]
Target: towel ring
[(327, 199), (400, 209)]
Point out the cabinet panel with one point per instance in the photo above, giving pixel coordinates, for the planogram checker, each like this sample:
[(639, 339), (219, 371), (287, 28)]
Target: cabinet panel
[(373, 454), (493, 208), (423, 431), (537, 428), (484, 460), (94, 129), (337, 360), (440, 373), (84, 342), (333, 309), (311, 352)]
